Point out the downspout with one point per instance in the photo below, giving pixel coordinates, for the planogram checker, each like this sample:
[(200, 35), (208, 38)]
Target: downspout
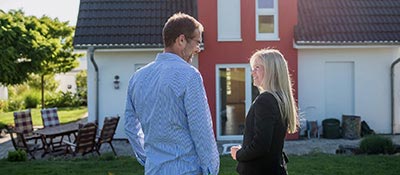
[(392, 90), (96, 69)]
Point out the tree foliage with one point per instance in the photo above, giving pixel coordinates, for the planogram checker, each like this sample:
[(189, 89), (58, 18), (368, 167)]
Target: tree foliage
[(50, 83), (34, 45)]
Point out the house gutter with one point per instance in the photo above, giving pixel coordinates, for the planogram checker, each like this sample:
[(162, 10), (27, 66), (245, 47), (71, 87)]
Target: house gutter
[(96, 69), (392, 90)]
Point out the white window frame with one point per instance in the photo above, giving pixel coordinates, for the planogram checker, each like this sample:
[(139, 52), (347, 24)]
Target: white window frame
[(248, 97), (270, 12)]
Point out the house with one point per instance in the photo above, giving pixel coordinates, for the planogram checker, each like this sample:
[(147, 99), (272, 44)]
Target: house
[(3, 92), (346, 49), (67, 81), (119, 37), (234, 30), (334, 69)]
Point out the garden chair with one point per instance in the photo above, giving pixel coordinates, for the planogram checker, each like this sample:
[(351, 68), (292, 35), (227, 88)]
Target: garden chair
[(313, 129), (23, 124), (107, 132), (50, 119), (85, 140), (19, 142)]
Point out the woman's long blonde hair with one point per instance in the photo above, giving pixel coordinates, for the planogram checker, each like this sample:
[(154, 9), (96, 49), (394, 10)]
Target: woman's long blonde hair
[(277, 81)]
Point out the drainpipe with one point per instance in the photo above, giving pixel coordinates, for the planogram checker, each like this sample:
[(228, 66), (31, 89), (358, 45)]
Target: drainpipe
[(392, 90), (96, 69)]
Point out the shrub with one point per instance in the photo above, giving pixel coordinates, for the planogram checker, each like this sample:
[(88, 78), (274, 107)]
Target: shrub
[(15, 104), (376, 144), (81, 84), (3, 106), (17, 156), (62, 99), (32, 99)]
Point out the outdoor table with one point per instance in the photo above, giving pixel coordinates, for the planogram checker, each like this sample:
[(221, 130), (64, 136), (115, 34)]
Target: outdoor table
[(53, 132)]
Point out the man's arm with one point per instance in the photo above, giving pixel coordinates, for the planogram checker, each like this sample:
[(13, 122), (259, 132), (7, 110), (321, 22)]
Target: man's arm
[(200, 125), (133, 128)]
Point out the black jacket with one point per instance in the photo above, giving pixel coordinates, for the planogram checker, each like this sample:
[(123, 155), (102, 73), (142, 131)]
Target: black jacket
[(263, 140)]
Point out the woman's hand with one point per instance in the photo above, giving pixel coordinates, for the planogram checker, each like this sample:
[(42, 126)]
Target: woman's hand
[(234, 149)]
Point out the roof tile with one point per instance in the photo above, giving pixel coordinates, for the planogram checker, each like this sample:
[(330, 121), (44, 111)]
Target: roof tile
[(126, 23), (348, 21)]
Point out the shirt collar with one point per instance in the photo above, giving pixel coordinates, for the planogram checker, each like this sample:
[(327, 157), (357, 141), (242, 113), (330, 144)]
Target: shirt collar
[(167, 56)]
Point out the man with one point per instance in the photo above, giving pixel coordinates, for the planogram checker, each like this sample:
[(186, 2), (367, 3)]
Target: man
[(168, 120)]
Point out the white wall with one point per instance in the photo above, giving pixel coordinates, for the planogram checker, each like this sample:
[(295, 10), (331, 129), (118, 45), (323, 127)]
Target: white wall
[(69, 79), (65, 81), (112, 101), (3, 92), (371, 82)]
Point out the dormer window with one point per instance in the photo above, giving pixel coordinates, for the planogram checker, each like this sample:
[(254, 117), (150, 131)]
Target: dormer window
[(267, 20)]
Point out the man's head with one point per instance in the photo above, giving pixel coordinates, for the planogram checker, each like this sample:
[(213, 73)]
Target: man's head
[(182, 35)]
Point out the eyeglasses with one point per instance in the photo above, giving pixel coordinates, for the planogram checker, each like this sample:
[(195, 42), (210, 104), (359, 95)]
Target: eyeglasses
[(198, 42)]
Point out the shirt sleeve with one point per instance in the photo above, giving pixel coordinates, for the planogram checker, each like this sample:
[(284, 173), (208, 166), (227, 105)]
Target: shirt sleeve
[(133, 129), (200, 125), (265, 114)]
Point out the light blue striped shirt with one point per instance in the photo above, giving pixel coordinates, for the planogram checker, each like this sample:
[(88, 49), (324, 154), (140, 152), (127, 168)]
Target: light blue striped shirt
[(168, 120)]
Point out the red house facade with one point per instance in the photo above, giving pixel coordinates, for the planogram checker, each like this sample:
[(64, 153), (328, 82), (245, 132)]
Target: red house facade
[(234, 29)]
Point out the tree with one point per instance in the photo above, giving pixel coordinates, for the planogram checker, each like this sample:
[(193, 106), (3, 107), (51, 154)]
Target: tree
[(63, 59), (22, 47), (34, 45)]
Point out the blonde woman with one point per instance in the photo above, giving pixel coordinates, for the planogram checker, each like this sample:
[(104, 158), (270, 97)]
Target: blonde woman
[(272, 114)]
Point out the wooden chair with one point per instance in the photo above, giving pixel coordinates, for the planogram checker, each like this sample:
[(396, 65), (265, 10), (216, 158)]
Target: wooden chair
[(19, 142), (23, 124), (107, 132), (85, 140)]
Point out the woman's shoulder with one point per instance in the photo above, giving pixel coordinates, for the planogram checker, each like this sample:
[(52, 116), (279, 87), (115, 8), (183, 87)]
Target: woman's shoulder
[(267, 96)]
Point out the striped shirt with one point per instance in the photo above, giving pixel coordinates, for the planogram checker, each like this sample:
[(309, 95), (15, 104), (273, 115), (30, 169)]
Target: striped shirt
[(168, 120)]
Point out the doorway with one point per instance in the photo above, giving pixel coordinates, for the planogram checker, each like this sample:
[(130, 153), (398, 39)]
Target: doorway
[(234, 97)]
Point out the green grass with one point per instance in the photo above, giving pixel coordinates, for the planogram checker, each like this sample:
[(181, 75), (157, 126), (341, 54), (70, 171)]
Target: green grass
[(316, 164), (65, 115)]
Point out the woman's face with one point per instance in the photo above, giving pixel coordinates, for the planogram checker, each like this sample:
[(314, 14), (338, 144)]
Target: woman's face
[(257, 71)]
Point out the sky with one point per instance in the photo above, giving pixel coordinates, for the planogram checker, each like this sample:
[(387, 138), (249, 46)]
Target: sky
[(64, 10)]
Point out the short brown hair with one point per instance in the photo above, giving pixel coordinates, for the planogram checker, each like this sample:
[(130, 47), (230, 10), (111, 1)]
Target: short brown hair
[(177, 24)]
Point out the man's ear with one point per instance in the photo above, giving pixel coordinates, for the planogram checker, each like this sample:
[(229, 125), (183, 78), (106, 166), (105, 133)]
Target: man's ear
[(181, 39)]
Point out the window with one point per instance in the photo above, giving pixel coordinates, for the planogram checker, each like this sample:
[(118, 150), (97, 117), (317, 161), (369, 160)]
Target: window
[(266, 20), (229, 20)]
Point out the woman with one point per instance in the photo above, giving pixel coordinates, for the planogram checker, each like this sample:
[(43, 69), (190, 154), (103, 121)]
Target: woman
[(271, 115)]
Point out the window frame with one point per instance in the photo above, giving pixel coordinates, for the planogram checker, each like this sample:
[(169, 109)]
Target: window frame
[(267, 12)]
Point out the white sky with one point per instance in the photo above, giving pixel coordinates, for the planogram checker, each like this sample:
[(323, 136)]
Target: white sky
[(64, 10)]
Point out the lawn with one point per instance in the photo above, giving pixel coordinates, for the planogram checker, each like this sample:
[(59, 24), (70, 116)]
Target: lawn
[(315, 164), (65, 115)]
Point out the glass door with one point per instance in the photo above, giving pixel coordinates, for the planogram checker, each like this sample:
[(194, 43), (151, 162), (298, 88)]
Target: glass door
[(234, 97)]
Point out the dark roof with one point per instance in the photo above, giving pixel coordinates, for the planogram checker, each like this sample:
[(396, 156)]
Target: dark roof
[(126, 23), (331, 22)]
